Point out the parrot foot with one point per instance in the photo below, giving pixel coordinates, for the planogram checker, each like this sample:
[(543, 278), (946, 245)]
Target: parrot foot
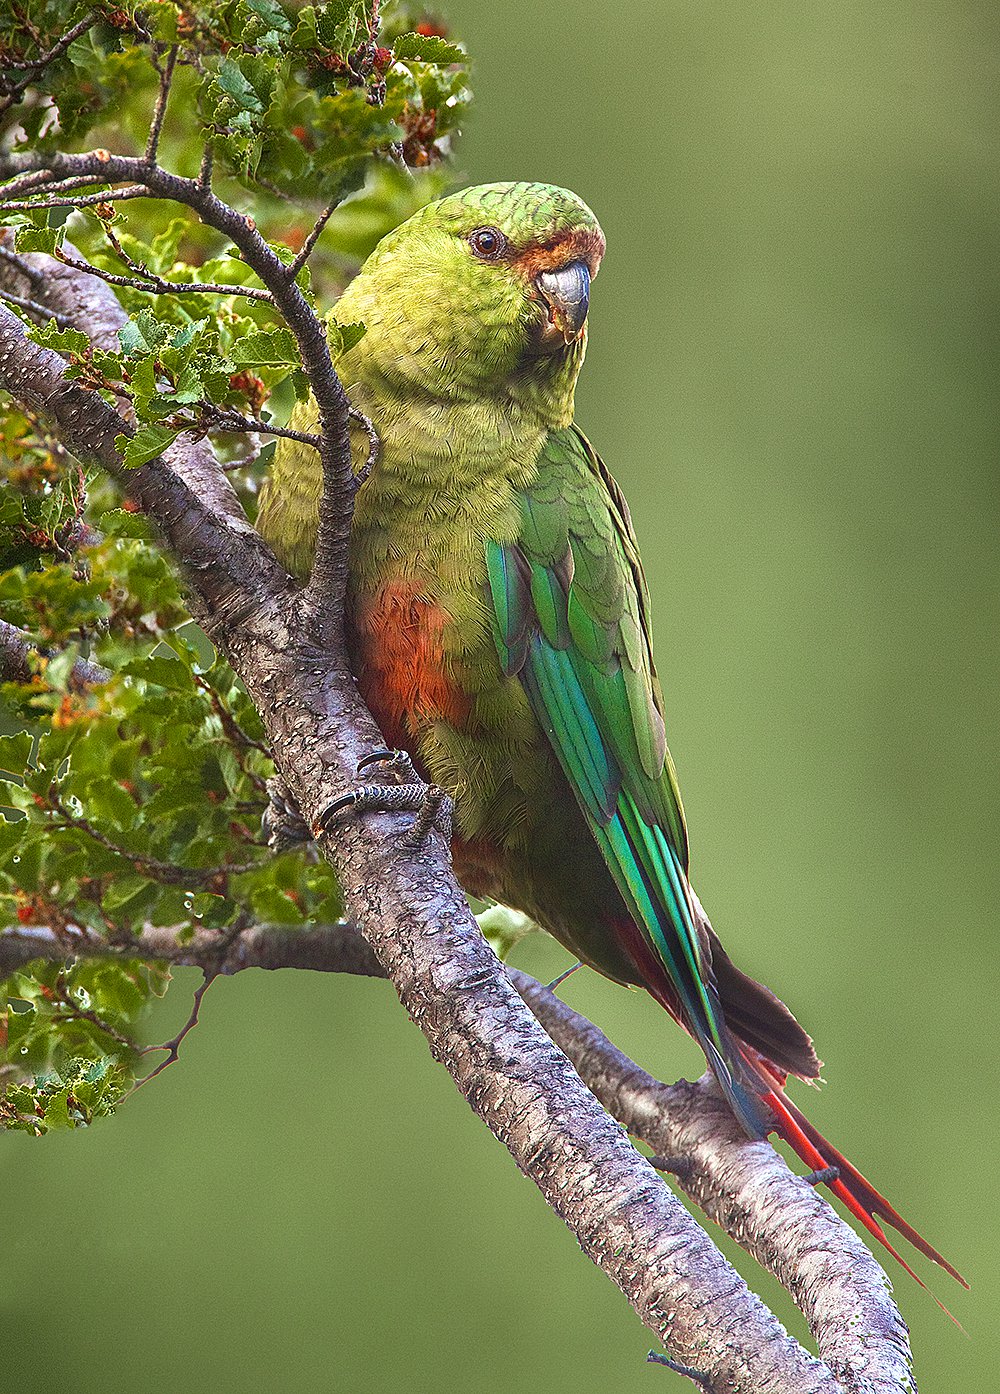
[(430, 803), (822, 1177), (698, 1376), (282, 824)]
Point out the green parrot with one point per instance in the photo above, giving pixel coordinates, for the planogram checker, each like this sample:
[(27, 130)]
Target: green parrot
[(498, 623)]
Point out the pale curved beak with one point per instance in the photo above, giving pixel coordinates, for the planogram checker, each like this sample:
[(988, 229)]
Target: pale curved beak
[(567, 294)]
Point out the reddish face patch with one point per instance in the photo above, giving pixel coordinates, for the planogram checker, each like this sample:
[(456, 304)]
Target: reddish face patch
[(399, 663), (580, 244)]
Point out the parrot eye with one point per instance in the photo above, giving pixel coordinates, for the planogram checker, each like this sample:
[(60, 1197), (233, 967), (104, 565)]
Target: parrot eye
[(488, 243)]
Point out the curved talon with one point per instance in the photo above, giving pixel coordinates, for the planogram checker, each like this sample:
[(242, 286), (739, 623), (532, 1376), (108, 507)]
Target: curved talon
[(328, 814), (375, 758), (396, 762)]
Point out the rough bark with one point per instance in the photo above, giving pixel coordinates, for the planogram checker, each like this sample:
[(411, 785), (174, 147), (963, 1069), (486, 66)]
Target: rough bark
[(745, 1187)]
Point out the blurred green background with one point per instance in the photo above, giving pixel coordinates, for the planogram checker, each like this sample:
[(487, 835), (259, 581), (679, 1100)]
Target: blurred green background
[(792, 374)]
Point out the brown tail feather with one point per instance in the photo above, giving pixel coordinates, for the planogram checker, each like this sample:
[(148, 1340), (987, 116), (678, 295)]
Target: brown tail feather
[(761, 1019)]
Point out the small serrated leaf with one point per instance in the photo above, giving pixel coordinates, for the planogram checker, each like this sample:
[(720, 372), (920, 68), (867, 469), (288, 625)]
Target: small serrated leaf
[(37, 239), (343, 337), (62, 340), (149, 441), (427, 48), (269, 348)]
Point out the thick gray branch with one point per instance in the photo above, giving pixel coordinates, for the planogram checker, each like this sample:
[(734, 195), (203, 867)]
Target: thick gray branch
[(745, 1187), (16, 649)]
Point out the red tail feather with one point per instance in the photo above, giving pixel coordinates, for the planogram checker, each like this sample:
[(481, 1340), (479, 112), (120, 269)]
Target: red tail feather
[(761, 1076), (855, 1190)]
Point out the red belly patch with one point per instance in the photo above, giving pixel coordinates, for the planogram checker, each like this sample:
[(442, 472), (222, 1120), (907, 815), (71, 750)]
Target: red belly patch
[(399, 662)]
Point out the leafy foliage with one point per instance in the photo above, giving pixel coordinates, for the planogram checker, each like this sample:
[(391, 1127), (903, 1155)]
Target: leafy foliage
[(130, 803), (136, 800)]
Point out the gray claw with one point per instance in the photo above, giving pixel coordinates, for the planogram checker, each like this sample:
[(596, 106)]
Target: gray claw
[(432, 806)]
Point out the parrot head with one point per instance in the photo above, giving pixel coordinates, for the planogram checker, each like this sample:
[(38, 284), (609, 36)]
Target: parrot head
[(485, 291)]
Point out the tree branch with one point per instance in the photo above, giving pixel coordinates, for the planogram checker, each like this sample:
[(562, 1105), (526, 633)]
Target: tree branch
[(150, 284), (418, 923), (16, 648), (745, 1187)]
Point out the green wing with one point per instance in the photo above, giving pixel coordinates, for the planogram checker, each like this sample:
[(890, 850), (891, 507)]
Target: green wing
[(570, 605)]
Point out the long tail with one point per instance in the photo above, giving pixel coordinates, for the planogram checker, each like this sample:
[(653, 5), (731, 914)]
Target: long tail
[(753, 1082), (855, 1190)]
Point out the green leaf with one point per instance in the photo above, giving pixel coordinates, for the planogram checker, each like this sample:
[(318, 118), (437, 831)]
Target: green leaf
[(149, 441), (64, 341), (119, 522), (15, 752), (234, 83), (170, 673), (342, 337), (427, 48), (37, 239), (122, 890), (270, 348), (144, 333)]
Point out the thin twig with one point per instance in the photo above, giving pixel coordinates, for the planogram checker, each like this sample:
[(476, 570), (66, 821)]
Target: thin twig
[(173, 1046), (32, 66), (83, 201), (227, 420), (160, 109), (374, 443), (33, 307), (305, 251), (46, 182), (157, 285), (688, 1372)]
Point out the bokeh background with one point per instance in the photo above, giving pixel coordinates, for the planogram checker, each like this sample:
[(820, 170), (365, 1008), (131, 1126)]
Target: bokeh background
[(792, 373)]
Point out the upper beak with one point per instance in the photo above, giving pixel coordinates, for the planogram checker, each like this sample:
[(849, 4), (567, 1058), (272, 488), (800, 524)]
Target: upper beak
[(567, 294)]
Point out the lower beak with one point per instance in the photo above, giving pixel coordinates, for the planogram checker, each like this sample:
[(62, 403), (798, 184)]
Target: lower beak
[(566, 292)]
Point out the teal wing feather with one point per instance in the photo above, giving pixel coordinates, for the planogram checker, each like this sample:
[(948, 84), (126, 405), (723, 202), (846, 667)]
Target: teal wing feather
[(571, 619)]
